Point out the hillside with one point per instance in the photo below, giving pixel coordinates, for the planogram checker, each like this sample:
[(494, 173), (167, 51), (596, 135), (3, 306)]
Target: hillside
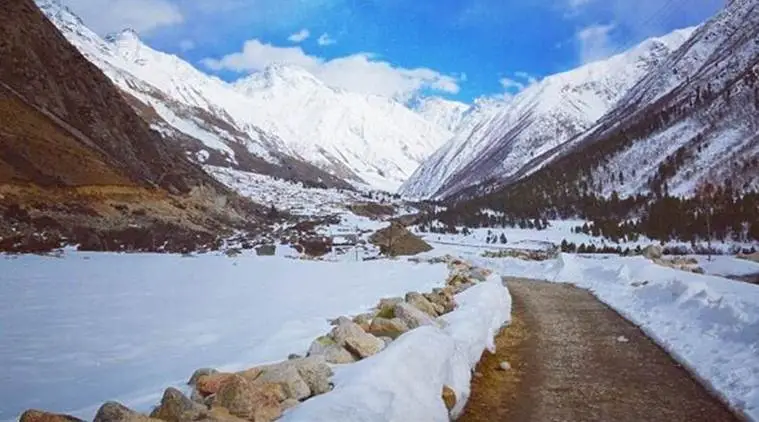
[(78, 165), (301, 129), (497, 141)]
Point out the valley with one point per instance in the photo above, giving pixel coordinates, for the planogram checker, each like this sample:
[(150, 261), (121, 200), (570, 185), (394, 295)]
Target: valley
[(190, 234)]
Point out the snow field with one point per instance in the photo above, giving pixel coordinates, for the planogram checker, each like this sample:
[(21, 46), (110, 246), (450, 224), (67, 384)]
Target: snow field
[(80, 330), (404, 382), (709, 324)]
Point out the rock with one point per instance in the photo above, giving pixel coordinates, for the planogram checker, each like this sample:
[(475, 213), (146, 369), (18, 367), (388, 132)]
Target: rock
[(463, 287), (117, 412), (364, 320), (315, 372), (411, 316), (754, 257), (251, 374), (288, 377), (39, 416), (293, 356), (210, 384), (420, 302), (340, 320), (332, 352), (176, 407), (387, 340), (266, 250), (383, 327), (396, 240), (386, 307), (199, 373), (356, 340), (504, 366), (289, 404), (653, 252), (449, 397), (244, 399), (478, 374)]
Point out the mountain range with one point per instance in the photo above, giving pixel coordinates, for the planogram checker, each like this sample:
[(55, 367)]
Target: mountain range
[(281, 121)]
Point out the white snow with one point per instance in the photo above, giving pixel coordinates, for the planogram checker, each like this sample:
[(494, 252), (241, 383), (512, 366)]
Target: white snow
[(709, 324), (405, 381), (497, 139), (89, 327)]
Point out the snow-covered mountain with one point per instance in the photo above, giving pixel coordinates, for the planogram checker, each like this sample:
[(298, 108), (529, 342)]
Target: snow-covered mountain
[(497, 139), (447, 114), (694, 119), (273, 122), (364, 137)]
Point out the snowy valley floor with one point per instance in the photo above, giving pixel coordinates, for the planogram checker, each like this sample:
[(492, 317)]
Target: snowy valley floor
[(78, 330)]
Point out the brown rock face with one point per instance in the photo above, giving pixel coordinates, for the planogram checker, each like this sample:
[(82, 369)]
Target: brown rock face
[(176, 407), (39, 416), (116, 412), (449, 397), (247, 400), (210, 384)]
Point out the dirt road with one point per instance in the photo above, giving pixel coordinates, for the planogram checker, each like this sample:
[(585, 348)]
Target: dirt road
[(574, 359)]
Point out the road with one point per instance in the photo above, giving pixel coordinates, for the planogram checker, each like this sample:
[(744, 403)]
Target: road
[(575, 359)]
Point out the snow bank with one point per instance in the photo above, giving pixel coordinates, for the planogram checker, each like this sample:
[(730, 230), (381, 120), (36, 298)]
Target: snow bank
[(709, 324), (90, 327), (405, 381)]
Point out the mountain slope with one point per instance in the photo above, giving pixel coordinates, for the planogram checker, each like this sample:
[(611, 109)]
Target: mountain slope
[(186, 106), (498, 142), (374, 138), (441, 112), (282, 117), (79, 166), (692, 120)]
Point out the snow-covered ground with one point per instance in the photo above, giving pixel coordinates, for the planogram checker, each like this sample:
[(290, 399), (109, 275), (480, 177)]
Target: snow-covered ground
[(404, 382), (710, 324), (727, 266), (89, 327)]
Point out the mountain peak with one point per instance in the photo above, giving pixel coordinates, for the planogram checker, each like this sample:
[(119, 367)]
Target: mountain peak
[(279, 75)]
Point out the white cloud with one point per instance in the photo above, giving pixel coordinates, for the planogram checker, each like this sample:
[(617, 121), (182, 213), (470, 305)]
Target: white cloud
[(511, 85), (361, 72), (104, 16), (300, 36), (595, 43), (325, 40), (186, 45)]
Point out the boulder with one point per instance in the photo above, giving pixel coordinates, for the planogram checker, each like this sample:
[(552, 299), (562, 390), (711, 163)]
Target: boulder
[(364, 320), (210, 384), (315, 372), (266, 250), (412, 316), (39, 416), (420, 302), (386, 306), (331, 351), (462, 287), (356, 340), (754, 257), (251, 374), (449, 397), (287, 376), (384, 327), (176, 407), (396, 240), (442, 298), (116, 412), (247, 400), (387, 340), (293, 356), (199, 373), (653, 252)]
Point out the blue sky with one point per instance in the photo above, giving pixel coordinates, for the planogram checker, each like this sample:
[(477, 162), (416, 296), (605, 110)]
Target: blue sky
[(460, 49)]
